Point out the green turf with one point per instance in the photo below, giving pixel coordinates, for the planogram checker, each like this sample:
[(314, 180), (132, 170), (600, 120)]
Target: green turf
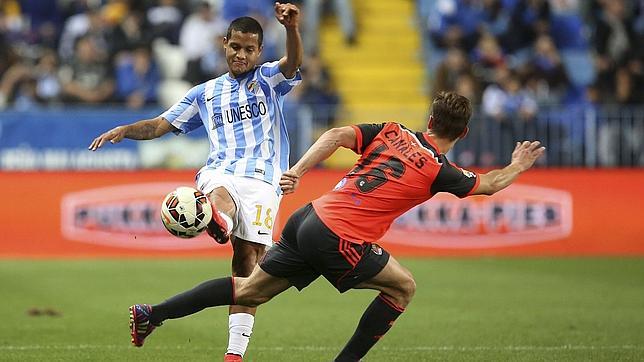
[(464, 309)]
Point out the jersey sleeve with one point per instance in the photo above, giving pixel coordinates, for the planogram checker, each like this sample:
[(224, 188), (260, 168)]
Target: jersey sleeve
[(365, 133), (272, 75), (455, 180), (184, 115)]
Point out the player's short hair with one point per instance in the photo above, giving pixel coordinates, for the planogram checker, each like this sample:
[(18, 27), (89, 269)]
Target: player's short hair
[(451, 113), (246, 24)]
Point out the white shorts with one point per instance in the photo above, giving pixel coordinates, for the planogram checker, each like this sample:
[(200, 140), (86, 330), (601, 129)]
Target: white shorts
[(257, 204)]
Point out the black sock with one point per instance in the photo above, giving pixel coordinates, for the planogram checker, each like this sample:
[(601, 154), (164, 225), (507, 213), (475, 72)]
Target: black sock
[(375, 322), (208, 294)]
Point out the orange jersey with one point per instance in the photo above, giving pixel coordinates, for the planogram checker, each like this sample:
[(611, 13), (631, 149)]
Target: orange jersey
[(398, 170)]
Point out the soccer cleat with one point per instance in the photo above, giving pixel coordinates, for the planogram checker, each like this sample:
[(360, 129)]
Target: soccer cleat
[(218, 227), (231, 357), (140, 326)]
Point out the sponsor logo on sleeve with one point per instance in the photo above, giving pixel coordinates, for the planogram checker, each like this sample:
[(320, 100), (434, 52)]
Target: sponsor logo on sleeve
[(467, 173)]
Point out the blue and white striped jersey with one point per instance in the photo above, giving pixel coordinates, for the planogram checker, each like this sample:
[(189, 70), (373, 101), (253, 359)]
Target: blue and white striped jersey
[(244, 120)]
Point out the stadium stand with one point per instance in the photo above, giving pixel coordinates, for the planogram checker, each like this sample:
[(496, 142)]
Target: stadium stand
[(569, 72)]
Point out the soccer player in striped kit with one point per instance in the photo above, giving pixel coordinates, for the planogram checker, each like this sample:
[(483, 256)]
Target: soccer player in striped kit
[(242, 113)]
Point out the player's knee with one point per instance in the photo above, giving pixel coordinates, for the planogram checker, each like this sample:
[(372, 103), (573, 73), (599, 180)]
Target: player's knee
[(248, 295), (406, 290), (242, 267)]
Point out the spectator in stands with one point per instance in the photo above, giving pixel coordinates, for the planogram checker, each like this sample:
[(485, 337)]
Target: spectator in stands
[(312, 107), (44, 21), (318, 92), (7, 55), (468, 86), (512, 110), (165, 20), (455, 23), (115, 11), (313, 12), (496, 16), (299, 120), (450, 70), (12, 21), (129, 33), (88, 77), (529, 19), (614, 40), (487, 57), (85, 24), (469, 151), (632, 76), (137, 78), (27, 85), (546, 72), (201, 41), (7, 59)]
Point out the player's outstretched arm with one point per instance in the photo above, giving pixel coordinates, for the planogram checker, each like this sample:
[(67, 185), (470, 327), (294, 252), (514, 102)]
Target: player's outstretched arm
[(324, 147), (289, 16), (523, 157), (146, 129)]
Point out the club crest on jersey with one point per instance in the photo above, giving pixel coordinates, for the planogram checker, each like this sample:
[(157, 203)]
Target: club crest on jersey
[(376, 249), (252, 86)]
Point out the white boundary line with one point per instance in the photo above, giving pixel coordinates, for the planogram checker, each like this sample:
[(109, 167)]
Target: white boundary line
[(567, 347)]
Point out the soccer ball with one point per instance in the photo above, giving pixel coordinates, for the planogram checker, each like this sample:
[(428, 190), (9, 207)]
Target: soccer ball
[(186, 212)]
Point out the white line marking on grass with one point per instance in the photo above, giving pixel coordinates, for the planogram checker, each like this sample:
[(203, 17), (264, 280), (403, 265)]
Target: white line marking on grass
[(567, 347)]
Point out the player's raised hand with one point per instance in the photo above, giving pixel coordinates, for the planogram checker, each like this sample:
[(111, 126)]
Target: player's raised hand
[(526, 153), (115, 135), (289, 182), (287, 14)]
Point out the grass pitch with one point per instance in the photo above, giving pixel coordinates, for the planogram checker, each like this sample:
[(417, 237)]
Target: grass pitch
[(464, 309)]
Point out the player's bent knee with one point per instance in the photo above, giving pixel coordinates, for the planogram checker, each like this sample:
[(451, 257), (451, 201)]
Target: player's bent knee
[(247, 295), (251, 299), (410, 287), (405, 290)]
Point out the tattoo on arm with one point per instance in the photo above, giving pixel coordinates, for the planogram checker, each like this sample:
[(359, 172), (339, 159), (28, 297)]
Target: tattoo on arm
[(143, 130)]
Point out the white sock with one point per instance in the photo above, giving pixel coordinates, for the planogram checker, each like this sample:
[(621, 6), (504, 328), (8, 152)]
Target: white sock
[(240, 327), (228, 220)]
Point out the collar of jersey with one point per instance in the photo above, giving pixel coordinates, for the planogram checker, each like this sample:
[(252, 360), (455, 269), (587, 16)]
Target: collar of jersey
[(431, 142)]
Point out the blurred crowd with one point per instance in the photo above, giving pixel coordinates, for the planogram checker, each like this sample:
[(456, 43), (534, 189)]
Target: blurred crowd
[(548, 51), (142, 52), (515, 57)]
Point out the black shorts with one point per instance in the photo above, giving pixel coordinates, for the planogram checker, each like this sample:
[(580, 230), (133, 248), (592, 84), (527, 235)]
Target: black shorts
[(308, 249)]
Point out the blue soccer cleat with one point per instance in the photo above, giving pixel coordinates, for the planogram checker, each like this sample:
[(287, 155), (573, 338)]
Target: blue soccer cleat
[(140, 326)]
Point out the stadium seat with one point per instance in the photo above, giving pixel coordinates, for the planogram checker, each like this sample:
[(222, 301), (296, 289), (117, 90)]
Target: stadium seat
[(171, 91), (170, 58)]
